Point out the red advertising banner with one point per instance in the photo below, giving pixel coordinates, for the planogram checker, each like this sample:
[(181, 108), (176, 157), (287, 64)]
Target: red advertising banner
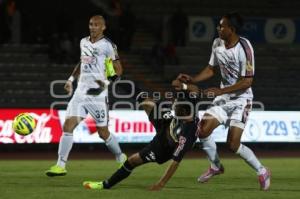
[(48, 128)]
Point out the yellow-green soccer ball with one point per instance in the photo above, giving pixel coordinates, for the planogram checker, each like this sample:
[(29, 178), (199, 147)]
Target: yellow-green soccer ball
[(24, 124)]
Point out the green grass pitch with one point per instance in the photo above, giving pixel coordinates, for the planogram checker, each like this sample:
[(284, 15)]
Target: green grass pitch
[(26, 180)]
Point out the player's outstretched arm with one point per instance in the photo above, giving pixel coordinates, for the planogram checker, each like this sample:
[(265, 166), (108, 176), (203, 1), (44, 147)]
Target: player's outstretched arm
[(180, 85), (185, 144), (205, 74), (166, 177)]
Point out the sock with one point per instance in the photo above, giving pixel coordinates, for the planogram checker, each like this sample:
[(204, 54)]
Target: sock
[(119, 175), (113, 146), (250, 158), (210, 147), (65, 146)]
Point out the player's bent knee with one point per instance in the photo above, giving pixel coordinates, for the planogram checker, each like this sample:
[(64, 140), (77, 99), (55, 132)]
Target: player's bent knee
[(67, 128), (204, 129), (135, 160), (202, 135), (103, 132), (233, 147), (70, 124)]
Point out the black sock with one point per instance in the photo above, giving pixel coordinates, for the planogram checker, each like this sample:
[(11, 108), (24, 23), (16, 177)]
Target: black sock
[(119, 175)]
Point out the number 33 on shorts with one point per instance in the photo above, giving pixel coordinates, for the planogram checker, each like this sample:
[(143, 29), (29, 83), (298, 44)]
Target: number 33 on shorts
[(100, 114)]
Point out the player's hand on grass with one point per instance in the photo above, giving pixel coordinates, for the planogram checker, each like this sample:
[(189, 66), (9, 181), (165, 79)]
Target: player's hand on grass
[(156, 187), (69, 87), (184, 78)]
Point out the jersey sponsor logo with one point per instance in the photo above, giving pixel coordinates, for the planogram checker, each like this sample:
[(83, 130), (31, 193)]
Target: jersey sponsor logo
[(181, 143), (96, 51), (88, 59)]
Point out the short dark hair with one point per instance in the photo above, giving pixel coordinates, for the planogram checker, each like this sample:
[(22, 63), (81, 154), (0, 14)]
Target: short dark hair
[(185, 106), (235, 20)]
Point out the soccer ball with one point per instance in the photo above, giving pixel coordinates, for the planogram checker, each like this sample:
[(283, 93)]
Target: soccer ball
[(24, 124)]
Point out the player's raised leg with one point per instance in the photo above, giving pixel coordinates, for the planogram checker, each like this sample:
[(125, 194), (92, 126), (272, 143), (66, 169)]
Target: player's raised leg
[(233, 140), (65, 146)]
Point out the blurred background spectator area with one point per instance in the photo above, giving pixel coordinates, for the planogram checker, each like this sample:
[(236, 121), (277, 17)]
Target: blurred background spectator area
[(157, 39)]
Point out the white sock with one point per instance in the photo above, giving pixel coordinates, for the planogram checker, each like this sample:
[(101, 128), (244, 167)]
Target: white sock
[(65, 146), (210, 147), (250, 158), (114, 147)]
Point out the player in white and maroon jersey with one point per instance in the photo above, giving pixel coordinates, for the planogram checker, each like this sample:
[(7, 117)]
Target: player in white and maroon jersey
[(233, 100), (91, 94)]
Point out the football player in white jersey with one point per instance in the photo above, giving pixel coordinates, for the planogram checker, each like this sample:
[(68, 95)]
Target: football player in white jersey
[(233, 100), (91, 95)]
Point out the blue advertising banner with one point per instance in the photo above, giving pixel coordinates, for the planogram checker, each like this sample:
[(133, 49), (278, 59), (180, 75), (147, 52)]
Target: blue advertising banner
[(258, 30), (280, 30), (253, 30)]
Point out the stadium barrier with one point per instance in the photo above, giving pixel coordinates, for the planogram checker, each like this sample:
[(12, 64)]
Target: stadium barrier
[(134, 127)]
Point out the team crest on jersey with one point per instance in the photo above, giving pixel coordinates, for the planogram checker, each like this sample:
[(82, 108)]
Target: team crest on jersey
[(249, 67)]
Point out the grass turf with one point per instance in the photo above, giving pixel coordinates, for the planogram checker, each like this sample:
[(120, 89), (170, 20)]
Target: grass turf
[(26, 179)]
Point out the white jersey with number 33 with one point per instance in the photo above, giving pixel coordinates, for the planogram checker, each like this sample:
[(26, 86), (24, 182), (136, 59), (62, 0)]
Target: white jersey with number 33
[(234, 63)]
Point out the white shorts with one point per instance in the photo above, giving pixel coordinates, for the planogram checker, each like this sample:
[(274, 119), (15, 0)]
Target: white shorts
[(233, 112), (81, 104)]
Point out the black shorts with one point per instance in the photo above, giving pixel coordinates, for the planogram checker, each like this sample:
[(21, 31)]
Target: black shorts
[(157, 151)]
